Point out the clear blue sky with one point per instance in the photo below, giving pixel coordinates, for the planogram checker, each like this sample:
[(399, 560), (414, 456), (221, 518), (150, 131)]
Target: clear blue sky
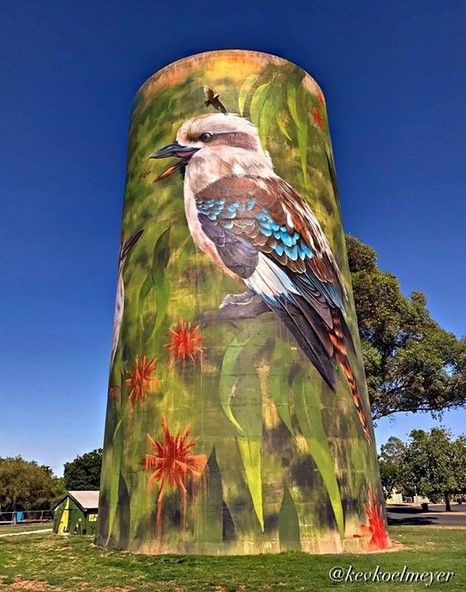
[(394, 75)]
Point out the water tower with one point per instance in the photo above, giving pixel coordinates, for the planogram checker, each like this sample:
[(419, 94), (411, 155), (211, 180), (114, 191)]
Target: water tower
[(238, 418)]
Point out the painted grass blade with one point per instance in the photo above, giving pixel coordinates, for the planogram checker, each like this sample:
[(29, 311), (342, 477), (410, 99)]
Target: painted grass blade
[(302, 126), (241, 400), (228, 379), (257, 104), (244, 92), (309, 417), (278, 380), (156, 280), (282, 127), (159, 264), (288, 524), (268, 115), (250, 450)]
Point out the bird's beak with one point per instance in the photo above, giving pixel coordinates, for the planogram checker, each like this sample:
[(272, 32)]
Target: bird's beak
[(183, 153)]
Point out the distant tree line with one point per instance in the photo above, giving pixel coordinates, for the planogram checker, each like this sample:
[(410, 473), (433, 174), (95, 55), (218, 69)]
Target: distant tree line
[(26, 485), (431, 464)]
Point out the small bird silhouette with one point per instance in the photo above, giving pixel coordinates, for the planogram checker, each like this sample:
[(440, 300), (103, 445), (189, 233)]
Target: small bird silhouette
[(260, 231), (212, 98), (125, 249)]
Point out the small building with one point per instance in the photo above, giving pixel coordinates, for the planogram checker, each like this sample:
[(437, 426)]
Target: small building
[(76, 513), (398, 498)]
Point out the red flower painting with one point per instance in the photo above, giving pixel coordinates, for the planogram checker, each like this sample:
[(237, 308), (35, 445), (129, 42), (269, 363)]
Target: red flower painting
[(318, 118), (171, 463), (141, 379), (376, 528), (185, 343)]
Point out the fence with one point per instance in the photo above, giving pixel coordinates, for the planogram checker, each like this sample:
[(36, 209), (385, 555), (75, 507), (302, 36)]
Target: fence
[(26, 517)]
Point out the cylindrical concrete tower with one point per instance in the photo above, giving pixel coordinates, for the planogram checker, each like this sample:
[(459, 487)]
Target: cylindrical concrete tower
[(238, 419)]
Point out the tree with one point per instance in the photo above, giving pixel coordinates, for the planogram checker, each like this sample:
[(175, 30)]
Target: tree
[(389, 476), (390, 463), (411, 363), (393, 450), (459, 455), (84, 471), (25, 485), (433, 465)]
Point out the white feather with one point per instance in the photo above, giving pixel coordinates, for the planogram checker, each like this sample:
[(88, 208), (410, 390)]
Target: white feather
[(269, 280)]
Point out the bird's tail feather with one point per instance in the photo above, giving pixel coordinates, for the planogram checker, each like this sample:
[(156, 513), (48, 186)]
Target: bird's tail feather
[(298, 323), (341, 355), (323, 344), (311, 336), (348, 372), (303, 322)]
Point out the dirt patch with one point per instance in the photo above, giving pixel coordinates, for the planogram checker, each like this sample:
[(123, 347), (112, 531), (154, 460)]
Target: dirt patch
[(30, 585)]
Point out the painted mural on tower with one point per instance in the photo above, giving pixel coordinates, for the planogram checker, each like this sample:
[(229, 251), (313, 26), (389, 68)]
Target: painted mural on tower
[(238, 419)]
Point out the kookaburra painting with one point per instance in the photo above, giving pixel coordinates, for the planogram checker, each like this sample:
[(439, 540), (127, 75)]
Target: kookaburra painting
[(238, 419)]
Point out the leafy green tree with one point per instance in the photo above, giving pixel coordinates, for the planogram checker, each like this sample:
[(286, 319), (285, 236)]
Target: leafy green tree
[(393, 450), (25, 485), (84, 471), (389, 476), (459, 455), (390, 463), (433, 465), (411, 363)]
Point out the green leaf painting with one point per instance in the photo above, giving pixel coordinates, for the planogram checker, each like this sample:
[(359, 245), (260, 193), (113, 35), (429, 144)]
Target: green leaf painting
[(236, 414)]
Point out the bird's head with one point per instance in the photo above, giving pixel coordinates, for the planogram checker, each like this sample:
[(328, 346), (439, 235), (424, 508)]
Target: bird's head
[(210, 134)]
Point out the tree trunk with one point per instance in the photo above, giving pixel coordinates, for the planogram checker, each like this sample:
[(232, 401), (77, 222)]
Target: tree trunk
[(447, 502)]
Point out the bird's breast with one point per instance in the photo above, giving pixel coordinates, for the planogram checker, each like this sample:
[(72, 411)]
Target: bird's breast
[(200, 238)]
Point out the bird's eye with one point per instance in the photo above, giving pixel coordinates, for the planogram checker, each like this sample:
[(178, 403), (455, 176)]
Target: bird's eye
[(206, 137)]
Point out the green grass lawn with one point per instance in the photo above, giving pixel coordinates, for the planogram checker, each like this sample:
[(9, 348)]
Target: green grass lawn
[(54, 563)]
